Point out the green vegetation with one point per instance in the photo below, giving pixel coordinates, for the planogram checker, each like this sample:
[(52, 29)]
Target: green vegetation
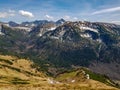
[(19, 81), (6, 61), (98, 77)]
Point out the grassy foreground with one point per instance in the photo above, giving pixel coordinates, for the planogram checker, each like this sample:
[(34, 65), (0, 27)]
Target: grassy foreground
[(22, 74)]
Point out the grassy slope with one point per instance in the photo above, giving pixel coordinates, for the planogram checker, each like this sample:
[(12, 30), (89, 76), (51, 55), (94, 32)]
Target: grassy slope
[(18, 71), (80, 76), (22, 74)]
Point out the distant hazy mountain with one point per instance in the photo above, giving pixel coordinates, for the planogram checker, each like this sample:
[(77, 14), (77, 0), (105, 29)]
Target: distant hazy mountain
[(13, 24)]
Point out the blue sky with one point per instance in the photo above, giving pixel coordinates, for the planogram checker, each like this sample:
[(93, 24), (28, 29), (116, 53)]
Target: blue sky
[(89, 10)]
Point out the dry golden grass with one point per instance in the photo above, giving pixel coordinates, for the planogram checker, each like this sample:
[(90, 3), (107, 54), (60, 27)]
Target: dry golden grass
[(12, 67), (7, 57), (55, 87), (17, 74)]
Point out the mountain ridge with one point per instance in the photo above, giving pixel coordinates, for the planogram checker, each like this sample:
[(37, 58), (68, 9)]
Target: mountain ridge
[(65, 45)]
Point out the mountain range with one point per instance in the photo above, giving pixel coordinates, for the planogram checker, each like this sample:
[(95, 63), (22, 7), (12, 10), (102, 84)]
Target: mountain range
[(61, 46)]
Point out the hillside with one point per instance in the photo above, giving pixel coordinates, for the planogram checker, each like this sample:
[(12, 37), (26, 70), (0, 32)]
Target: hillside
[(57, 47), (17, 73)]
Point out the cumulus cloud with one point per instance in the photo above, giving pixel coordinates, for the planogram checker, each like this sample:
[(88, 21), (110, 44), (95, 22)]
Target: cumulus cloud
[(48, 16), (6, 14), (106, 10), (26, 13)]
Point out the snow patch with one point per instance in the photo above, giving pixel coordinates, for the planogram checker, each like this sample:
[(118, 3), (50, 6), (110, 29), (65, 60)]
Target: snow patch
[(52, 28), (54, 37), (85, 35), (62, 22), (1, 33), (62, 33), (26, 25), (23, 28), (99, 40), (88, 28), (40, 34), (33, 25)]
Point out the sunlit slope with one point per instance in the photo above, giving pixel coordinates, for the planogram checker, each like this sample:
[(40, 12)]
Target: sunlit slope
[(18, 71), (22, 74)]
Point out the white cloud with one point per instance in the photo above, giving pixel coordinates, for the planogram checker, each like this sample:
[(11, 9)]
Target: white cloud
[(11, 11), (75, 18), (6, 14), (106, 10), (48, 16), (26, 13), (117, 22), (67, 17), (11, 14), (3, 15)]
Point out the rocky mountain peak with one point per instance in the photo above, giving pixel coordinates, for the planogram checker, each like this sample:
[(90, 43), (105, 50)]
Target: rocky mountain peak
[(60, 21)]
